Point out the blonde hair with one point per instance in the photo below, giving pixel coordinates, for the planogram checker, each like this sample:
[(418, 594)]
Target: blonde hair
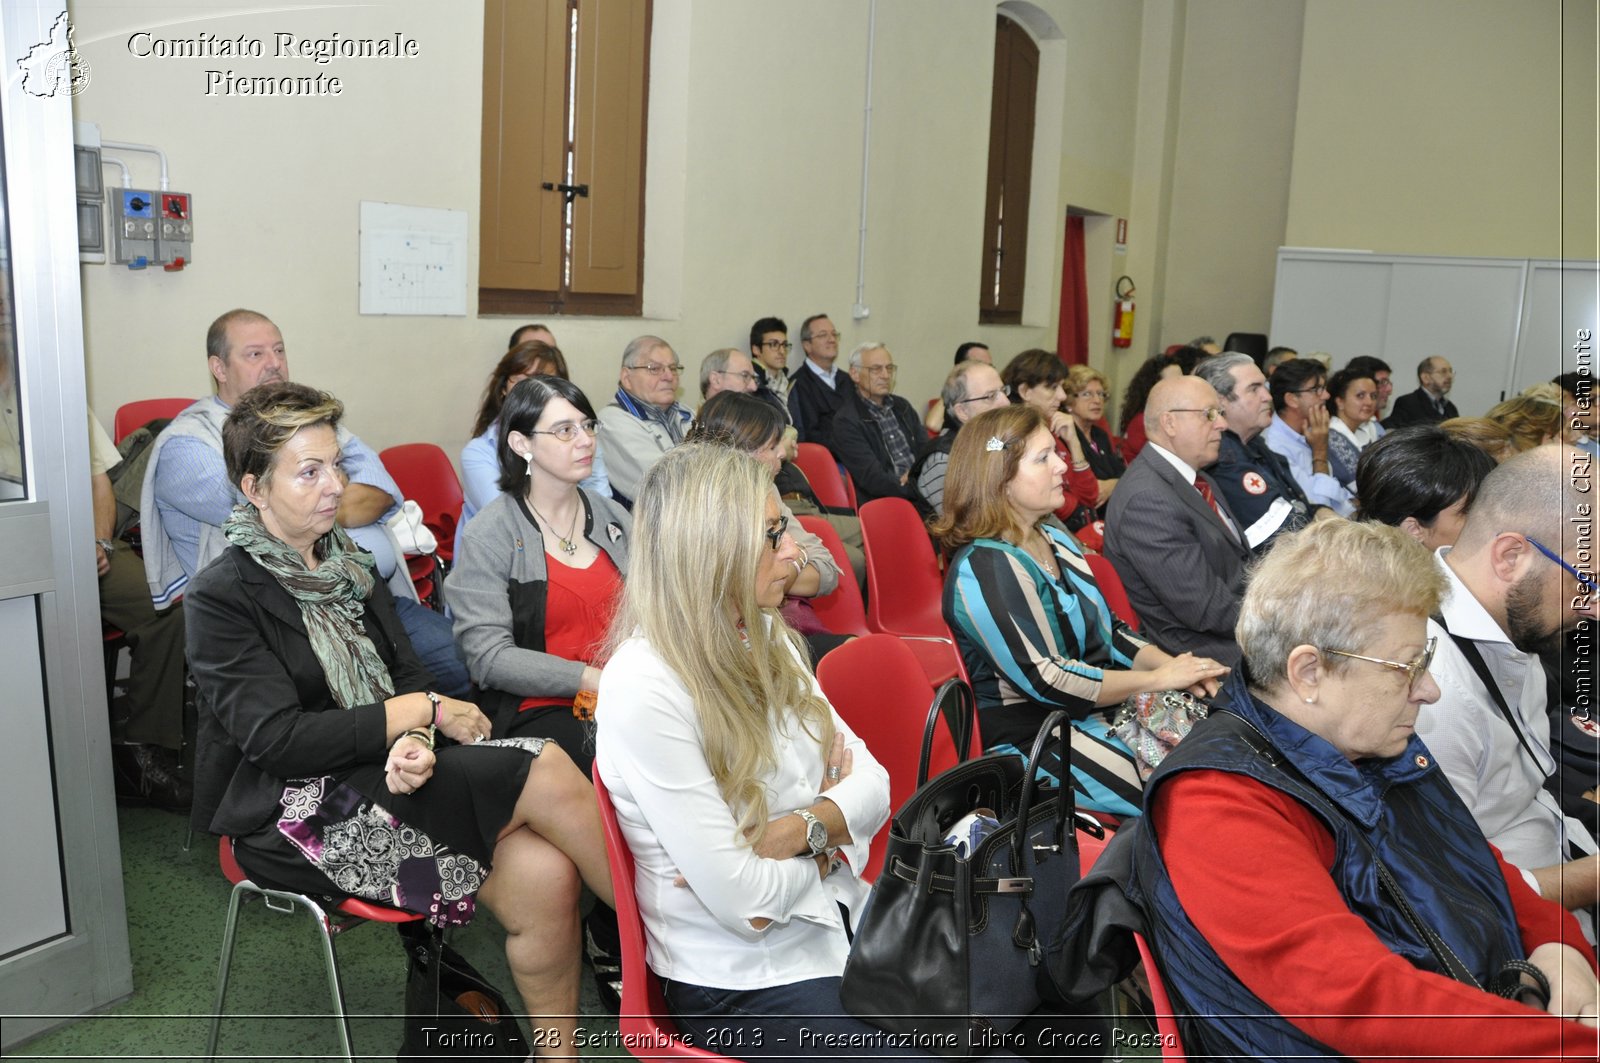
[(1080, 377), (1530, 421), (697, 540), (1491, 437), (975, 503), (1323, 585)]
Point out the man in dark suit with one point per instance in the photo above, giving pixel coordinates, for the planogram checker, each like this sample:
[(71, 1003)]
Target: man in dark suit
[(1169, 533), (1427, 404), (876, 432), (1255, 480), (817, 388)]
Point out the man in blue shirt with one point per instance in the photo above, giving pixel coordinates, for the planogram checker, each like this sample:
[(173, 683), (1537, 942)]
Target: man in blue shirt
[(1299, 432)]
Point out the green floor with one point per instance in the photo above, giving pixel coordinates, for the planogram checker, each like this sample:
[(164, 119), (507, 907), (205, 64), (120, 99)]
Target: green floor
[(278, 1002), (277, 1007)]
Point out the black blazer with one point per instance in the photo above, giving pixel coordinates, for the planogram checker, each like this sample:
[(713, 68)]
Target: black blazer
[(266, 713), (1417, 408), (1184, 571), (812, 404), (859, 446)]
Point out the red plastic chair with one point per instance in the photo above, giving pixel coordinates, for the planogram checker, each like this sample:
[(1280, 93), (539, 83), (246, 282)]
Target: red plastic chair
[(1166, 1021), (904, 585), (879, 688), (425, 476), (842, 610), (827, 480), (347, 915), (131, 415), (1105, 575), (647, 1031)]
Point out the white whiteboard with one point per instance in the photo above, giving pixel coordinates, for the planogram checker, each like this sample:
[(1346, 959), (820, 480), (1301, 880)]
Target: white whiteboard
[(1500, 321), (413, 260)]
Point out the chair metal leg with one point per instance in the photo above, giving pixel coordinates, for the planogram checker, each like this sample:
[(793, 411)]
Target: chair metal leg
[(230, 928), (337, 989)]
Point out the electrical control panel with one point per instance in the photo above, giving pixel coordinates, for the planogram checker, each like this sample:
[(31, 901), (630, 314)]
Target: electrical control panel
[(91, 220), (133, 226), (176, 230)]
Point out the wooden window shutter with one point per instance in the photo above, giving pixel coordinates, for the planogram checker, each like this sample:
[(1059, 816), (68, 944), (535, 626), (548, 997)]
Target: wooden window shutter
[(535, 258), (1005, 216)]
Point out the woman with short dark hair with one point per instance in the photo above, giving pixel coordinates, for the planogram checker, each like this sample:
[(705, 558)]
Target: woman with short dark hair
[(322, 751), (1421, 480)]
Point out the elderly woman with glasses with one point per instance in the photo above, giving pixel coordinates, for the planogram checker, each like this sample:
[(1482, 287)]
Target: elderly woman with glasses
[(322, 752), (1086, 390), (1355, 908), (1029, 618)]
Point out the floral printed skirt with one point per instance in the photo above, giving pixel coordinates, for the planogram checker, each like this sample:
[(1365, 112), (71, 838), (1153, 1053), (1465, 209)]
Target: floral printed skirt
[(426, 852)]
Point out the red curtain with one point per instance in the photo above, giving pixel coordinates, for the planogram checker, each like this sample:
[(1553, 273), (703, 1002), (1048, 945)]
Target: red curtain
[(1072, 341)]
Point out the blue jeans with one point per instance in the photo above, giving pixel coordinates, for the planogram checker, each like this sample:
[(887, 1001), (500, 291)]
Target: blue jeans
[(798, 1020), (435, 644)]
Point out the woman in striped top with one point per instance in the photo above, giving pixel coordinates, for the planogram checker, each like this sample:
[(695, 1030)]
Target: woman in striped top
[(1032, 626)]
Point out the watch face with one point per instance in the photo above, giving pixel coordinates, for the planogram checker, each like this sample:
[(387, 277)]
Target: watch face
[(817, 836)]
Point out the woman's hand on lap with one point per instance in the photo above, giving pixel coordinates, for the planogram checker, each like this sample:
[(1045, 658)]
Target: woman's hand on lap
[(462, 721), (410, 764), (1200, 676)]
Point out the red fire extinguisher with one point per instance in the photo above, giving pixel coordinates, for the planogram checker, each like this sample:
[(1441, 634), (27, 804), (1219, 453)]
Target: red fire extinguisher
[(1122, 323)]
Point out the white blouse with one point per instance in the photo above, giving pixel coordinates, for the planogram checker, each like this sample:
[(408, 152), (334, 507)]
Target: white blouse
[(650, 755)]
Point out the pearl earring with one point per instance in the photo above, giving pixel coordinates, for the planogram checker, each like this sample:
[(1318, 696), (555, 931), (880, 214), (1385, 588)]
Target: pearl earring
[(528, 457)]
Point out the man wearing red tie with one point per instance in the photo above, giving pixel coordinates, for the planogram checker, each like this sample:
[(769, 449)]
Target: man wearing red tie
[(1170, 534)]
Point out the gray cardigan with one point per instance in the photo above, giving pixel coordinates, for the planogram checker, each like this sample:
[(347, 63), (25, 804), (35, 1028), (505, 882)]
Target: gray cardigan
[(496, 591)]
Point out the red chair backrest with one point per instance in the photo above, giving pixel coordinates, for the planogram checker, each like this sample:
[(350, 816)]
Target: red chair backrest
[(1166, 1022), (842, 611), (817, 462), (904, 586), (425, 476), (879, 689), (644, 1020), (1105, 575), (131, 415)]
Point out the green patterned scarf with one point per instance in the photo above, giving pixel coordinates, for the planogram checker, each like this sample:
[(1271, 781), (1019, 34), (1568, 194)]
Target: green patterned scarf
[(332, 603)]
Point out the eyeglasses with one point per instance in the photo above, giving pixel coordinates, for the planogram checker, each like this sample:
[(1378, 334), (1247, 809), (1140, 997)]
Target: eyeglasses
[(1585, 583), (1413, 669), (567, 431), (880, 370), (1091, 394), (774, 534), (1313, 390), (781, 345), (988, 396), (1211, 413), (657, 369), (824, 335), (746, 375)]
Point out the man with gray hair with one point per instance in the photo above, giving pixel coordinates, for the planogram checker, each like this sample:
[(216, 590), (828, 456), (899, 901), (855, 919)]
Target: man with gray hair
[(971, 388), (645, 418), (1256, 481), (876, 432), (1516, 587), (817, 389), (727, 369)]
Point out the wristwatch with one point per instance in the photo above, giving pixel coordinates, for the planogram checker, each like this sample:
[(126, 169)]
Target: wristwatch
[(816, 834)]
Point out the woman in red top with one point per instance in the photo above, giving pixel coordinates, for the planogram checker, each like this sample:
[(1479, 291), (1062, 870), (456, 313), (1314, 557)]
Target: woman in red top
[(1035, 377)]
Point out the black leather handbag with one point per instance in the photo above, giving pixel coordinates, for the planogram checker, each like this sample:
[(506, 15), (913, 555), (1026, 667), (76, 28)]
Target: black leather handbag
[(451, 1009), (950, 949)]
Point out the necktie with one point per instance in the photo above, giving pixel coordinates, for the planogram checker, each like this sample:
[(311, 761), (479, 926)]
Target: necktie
[(1205, 493)]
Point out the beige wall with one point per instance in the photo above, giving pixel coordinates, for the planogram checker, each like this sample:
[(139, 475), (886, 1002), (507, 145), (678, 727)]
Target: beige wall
[(1436, 128), (1429, 126)]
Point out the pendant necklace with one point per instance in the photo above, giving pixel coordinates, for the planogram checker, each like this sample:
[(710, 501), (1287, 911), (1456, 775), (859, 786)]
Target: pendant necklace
[(568, 543)]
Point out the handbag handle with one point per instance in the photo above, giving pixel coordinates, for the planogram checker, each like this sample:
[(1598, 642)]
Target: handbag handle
[(1057, 721), (960, 726)]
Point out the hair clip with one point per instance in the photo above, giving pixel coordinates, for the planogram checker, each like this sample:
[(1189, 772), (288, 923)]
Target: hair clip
[(995, 443)]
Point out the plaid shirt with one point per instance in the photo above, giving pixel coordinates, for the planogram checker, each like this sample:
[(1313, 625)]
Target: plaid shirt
[(893, 437)]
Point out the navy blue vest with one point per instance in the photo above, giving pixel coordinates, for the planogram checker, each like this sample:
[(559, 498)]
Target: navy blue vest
[(1401, 808)]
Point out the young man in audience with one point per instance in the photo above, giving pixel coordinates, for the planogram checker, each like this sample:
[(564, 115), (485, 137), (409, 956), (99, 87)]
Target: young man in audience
[(769, 350), (1383, 376), (1299, 432), (187, 496), (817, 388), (1514, 591), (727, 369), (876, 433), (1179, 550), (645, 419), (1427, 404), (1257, 482)]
